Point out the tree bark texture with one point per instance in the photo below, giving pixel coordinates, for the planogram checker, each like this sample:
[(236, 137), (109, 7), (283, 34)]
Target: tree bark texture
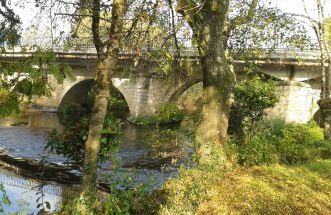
[(107, 62), (325, 108), (325, 98), (208, 27), (325, 101)]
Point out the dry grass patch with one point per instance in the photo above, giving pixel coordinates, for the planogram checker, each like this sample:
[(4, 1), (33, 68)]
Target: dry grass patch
[(275, 189)]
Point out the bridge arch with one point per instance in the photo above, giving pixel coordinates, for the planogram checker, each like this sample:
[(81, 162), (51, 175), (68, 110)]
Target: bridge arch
[(297, 100), (181, 88), (191, 99), (76, 94)]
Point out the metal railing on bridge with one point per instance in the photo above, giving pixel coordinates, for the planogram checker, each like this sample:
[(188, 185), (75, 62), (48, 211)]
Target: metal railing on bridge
[(186, 45), (86, 45)]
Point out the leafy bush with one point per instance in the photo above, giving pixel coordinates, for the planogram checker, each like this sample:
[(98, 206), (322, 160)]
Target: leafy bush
[(278, 142), (168, 114), (71, 142), (273, 127), (324, 149), (124, 197), (128, 201), (298, 142), (252, 96), (9, 102), (260, 150)]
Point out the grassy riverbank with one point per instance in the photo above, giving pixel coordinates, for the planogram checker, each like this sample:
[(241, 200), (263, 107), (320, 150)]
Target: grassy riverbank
[(280, 168), (274, 189)]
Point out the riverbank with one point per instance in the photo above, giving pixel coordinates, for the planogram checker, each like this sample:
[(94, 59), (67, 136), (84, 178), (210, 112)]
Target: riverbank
[(274, 189)]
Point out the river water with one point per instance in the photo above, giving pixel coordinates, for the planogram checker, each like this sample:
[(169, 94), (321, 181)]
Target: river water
[(142, 158)]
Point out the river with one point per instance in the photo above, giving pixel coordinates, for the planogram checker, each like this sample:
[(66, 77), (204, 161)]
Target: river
[(142, 158)]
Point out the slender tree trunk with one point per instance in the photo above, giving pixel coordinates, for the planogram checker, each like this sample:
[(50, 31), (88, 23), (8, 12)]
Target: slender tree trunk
[(325, 99), (106, 65)]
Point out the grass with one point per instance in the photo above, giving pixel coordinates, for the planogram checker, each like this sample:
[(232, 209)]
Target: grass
[(275, 189)]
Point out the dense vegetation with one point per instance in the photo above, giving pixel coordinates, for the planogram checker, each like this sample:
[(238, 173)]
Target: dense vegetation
[(170, 113), (272, 167), (278, 142), (261, 175)]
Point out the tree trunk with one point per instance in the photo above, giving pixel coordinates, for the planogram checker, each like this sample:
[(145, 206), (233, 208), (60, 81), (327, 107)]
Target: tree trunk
[(325, 109), (106, 65), (218, 79), (325, 101), (208, 23), (218, 82)]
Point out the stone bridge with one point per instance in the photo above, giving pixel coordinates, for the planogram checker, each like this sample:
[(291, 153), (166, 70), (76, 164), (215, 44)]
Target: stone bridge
[(146, 91), (143, 87)]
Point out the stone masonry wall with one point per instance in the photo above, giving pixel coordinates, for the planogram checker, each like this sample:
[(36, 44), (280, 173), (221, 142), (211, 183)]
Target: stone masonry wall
[(297, 102)]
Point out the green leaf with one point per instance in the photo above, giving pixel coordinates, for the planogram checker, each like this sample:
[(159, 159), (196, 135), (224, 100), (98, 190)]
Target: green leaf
[(5, 200), (48, 205)]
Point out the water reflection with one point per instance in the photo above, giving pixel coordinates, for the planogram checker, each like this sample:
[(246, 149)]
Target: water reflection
[(23, 193)]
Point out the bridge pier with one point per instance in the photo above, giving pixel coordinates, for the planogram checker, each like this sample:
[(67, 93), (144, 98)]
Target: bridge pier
[(145, 95), (297, 102)]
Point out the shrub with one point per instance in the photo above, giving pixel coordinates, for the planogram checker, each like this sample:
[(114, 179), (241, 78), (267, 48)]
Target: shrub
[(324, 149), (278, 142), (260, 150), (168, 114), (273, 127), (128, 201), (252, 96), (71, 142), (298, 142)]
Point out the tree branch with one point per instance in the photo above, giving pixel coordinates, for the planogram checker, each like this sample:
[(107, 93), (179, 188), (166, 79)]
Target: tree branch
[(96, 27), (173, 27), (242, 19), (186, 9), (252, 9)]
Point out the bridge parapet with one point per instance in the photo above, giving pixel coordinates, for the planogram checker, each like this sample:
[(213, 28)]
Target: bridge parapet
[(86, 45), (187, 47)]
